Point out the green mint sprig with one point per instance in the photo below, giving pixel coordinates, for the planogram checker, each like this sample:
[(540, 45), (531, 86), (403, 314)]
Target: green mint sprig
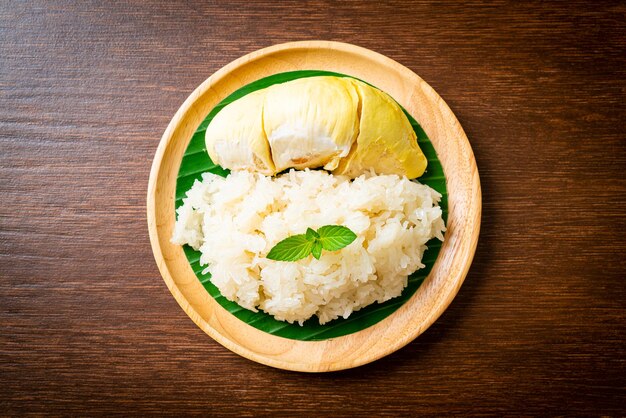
[(297, 247)]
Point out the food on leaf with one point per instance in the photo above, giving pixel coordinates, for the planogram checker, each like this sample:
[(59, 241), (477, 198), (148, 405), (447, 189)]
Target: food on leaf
[(340, 124), (386, 143), (302, 243), (311, 122), (235, 138), (307, 242)]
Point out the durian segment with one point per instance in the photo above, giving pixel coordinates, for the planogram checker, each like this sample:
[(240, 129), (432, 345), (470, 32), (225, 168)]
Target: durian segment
[(386, 142), (235, 138), (311, 122)]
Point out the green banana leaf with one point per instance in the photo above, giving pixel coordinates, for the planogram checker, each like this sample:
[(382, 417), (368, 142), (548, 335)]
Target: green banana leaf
[(196, 161)]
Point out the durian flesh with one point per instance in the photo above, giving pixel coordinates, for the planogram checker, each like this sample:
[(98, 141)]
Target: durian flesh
[(311, 122), (340, 124), (386, 143), (235, 138)]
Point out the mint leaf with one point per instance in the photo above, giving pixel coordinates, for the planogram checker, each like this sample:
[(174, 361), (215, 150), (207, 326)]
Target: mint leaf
[(311, 235), (317, 249), (293, 248), (335, 237), (297, 247)]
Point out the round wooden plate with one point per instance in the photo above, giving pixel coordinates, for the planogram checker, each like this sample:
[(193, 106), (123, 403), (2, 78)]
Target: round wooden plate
[(432, 297)]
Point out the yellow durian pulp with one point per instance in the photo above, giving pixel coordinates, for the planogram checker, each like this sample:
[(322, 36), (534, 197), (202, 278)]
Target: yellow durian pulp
[(235, 138), (341, 124), (311, 122), (386, 143)]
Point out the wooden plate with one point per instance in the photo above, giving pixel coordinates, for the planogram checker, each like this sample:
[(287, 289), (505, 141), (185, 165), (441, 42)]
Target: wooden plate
[(432, 297)]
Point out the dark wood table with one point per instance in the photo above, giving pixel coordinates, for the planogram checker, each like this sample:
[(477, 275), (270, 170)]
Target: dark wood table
[(87, 326)]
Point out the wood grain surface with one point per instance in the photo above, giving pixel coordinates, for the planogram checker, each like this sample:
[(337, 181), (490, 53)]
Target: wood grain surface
[(87, 325)]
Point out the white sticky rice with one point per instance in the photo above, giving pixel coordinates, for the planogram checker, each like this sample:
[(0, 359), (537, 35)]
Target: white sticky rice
[(235, 221)]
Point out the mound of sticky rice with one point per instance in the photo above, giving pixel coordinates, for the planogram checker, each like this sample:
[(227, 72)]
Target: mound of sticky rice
[(235, 221)]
